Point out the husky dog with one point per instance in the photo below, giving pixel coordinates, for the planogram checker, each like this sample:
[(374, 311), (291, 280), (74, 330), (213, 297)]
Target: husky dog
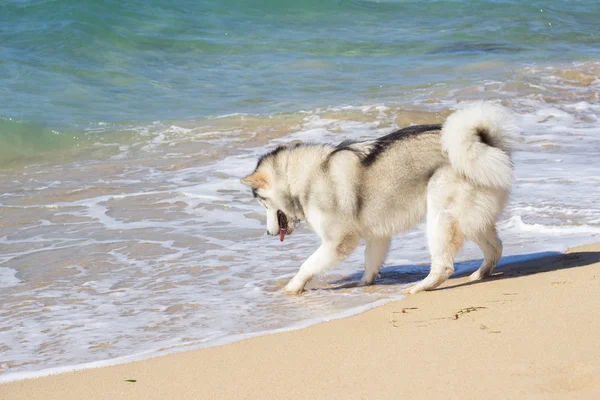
[(457, 175)]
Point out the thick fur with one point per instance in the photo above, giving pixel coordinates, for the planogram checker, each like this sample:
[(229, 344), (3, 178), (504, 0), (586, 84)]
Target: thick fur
[(476, 143), (456, 176)]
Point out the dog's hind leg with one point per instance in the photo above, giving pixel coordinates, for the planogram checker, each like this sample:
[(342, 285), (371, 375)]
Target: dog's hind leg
[(375, 254), (327, 256), (445, 240), (491, 246)]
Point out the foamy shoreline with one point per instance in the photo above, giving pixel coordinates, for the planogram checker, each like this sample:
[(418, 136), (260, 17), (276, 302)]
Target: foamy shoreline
[(158, 245), (527, 333)]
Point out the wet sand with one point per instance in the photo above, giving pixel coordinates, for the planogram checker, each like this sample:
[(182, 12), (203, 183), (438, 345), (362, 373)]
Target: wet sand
[(531, 331)]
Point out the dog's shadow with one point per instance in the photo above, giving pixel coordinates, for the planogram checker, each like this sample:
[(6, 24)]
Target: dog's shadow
[(508, 267)]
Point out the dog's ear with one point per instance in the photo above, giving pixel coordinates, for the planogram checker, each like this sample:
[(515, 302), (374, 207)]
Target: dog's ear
[(257, 180)]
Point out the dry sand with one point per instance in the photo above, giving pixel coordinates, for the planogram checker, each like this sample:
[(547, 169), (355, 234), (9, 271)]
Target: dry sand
[(532, 331)]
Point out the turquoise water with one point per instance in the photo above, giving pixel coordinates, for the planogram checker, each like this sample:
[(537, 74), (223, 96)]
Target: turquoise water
[(66, 65)]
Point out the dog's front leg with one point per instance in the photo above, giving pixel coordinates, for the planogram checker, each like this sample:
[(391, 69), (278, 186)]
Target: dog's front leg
[(321, 260), (327, 256)]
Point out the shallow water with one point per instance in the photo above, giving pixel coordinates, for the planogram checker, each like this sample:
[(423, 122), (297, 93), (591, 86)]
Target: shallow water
[(124, 230)]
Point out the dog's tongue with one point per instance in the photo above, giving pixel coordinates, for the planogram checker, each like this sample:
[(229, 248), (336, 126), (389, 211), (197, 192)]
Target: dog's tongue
[(281, 234)]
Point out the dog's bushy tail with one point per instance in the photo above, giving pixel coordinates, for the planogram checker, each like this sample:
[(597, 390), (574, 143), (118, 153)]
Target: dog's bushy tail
[(476, 139)]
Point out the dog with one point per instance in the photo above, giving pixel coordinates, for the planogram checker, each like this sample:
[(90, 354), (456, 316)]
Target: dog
[(457, 176)]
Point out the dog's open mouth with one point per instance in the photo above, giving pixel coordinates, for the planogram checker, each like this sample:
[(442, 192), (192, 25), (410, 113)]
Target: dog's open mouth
[(283, 224)]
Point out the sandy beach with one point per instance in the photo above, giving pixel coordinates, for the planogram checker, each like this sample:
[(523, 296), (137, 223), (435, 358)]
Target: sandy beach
[(531, 331)]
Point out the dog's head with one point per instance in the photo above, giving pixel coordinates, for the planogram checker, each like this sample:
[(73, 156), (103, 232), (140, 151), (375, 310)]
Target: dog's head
[(271, 190)]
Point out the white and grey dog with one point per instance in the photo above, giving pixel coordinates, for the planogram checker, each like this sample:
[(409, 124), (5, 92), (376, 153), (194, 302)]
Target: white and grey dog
[(458, 175)]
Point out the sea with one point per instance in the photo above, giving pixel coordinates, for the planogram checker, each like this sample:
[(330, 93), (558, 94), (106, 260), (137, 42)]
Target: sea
[(125, 127)]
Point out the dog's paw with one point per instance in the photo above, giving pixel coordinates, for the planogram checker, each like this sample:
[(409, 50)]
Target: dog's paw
[(476, 276), (294, 288), (365, 281), (412, 289), (479, 275), (292, 292)]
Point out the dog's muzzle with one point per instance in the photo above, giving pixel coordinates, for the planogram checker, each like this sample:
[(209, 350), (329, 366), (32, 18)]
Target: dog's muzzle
[(286, 226)]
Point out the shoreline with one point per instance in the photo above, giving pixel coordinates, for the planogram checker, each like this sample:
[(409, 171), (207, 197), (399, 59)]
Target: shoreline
[(461, 271), (165, 352), (436, 341)]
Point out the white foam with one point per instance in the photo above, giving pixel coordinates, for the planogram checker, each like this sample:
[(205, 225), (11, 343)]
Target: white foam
[(515, 223), (8, 278)]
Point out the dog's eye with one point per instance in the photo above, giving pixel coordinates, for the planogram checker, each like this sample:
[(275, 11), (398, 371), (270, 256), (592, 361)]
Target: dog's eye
[(262, 201)]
